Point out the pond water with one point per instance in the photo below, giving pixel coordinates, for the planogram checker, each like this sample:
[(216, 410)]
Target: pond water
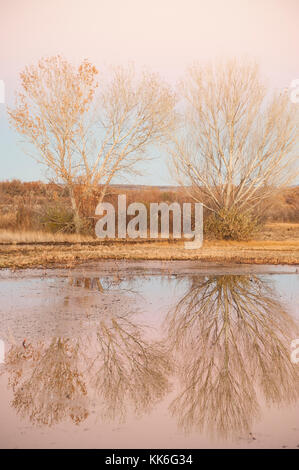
[(149, 355)]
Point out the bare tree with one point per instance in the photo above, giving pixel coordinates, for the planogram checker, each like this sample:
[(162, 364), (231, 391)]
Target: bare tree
[(131, 114), (50, 109), (84, 138), (237, 142)]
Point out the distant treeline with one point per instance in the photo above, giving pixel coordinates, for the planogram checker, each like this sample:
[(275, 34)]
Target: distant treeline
[(36, 205)]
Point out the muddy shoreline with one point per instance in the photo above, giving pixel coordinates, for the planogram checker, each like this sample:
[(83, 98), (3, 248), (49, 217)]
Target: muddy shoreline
[(150, 268), (16, 256)]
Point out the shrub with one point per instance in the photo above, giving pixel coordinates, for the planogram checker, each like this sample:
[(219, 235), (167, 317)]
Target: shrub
[(58, 219), (231, 224)]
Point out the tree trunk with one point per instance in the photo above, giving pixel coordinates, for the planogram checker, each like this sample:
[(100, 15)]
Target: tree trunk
[(77, 219)]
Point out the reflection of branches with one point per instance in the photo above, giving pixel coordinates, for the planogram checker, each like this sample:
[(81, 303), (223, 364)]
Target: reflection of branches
[(52, 388), (102, 285), (235, 338), (19, 360), (53, 381), (128, 370)]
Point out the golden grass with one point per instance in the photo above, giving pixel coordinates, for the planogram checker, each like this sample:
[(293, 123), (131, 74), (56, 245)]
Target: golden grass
[(284, 225), (16, 256), (9, 236), (78, 249), (278, 231)]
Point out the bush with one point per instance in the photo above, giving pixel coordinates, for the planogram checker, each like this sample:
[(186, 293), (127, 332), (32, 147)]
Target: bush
[(61, 219), (58, 219), (231, 224)]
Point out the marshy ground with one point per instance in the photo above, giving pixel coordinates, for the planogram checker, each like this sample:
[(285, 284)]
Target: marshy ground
[(278, 243)]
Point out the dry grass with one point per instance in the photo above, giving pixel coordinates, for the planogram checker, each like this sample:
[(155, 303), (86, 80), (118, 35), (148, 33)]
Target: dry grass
[(35, 249), (272, 232), (24, 256), (9, 236)]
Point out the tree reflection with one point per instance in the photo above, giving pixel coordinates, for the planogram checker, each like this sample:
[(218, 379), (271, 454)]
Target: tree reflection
[(128, 369), (234, 338), (47, 384), (120, 362), (230, 336)]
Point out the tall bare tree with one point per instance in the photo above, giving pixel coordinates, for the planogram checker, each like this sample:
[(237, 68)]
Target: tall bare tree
[(50, 108), (89, 138), (131, 114), (237, 142)]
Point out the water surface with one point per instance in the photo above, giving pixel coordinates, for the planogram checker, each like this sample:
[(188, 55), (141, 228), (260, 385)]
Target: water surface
[(155, 355)]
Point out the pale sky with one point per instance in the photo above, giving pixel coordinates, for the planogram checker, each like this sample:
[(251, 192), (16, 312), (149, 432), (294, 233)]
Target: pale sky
[(164, 35)]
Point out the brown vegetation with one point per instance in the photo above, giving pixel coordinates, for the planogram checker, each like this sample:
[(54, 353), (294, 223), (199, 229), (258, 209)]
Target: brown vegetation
[(24, 205), (69, 253), (27, 241)]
